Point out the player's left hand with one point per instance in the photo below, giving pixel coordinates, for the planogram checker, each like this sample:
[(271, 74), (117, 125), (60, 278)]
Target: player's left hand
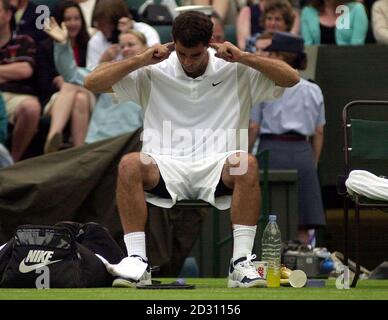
[(227, 51)]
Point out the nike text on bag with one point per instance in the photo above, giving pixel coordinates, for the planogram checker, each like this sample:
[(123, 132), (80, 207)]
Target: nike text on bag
[(61, 256)]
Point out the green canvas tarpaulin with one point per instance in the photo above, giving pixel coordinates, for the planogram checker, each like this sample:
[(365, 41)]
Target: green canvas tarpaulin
[(79, 185)]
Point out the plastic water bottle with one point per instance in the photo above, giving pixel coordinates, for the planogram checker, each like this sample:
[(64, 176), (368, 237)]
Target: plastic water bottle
[(271, 248)]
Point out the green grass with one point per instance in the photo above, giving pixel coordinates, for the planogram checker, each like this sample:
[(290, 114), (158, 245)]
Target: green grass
[(207, 289)]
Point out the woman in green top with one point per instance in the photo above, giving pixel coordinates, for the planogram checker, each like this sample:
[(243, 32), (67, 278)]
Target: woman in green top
[(320, 24)]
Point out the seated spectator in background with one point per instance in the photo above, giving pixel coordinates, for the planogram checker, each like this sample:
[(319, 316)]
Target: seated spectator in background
[(25, 19), (65, 101), (380, 21), (286, 124), (106, 19), (226, 9), (320, 24), (218, 28), (109, 119), (17, 66), (87, 8), (268, 15), (249, 23), (5, 157)]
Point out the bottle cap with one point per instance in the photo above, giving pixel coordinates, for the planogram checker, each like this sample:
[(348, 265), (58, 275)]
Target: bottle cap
[(272, 217)]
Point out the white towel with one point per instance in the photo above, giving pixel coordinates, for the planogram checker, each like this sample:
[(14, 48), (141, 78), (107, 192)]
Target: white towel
[(367, 184), (129, 267)]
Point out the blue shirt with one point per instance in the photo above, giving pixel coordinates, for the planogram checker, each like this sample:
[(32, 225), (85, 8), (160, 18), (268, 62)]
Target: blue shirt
[(300, 109)]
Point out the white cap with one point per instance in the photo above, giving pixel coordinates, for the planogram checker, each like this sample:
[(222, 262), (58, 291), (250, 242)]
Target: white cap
[(208, 10)]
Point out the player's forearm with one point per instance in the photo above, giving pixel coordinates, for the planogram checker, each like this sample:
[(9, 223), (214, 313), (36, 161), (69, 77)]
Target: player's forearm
[(278, 71), (106, 75)]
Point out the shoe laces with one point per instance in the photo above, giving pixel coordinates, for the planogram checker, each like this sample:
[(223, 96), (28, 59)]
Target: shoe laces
[(248, 266)]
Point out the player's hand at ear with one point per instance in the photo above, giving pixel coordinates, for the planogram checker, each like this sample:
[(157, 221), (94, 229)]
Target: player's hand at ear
[(227, 51), (157, 53)]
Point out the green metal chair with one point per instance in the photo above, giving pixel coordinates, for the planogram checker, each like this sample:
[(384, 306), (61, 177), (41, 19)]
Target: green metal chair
[(365, 147)]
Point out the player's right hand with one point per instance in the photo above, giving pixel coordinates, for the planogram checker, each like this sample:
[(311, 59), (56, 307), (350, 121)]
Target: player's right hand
[(157, 53)]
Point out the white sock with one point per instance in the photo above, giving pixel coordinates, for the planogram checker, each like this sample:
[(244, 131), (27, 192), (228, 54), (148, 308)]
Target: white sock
[(135, 243), (243, 239)]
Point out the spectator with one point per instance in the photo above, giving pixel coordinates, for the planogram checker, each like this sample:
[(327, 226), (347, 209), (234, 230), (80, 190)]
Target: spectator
[(26, 18), (286, 124), (380, 21), (269, 15), (17, 65), (106, 19), (320, 24), (218, 28), (87, 8), (108, 119), (5, 157), (111, 118), (65, 100)]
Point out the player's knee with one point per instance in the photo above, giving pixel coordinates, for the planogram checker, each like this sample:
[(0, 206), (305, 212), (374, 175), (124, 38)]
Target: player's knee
[(130, 165), (247, 169), (253, 165)]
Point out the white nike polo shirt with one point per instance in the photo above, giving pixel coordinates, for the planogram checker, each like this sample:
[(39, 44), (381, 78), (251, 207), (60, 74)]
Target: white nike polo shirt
[(190, 118)]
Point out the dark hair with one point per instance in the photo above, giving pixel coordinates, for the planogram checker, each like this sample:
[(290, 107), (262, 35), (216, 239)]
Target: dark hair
[(285, 9), (111, 11), (82, 38), (192, 28), (297, 60), (6, 5)]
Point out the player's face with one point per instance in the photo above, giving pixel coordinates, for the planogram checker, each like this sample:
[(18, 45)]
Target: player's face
[(193, 60)]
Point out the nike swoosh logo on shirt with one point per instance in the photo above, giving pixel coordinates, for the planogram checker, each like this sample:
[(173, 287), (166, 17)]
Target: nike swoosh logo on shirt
[(23, 268), (216, 84)]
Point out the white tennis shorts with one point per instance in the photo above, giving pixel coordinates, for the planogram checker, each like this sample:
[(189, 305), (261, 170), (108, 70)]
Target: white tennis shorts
[(191, 180)]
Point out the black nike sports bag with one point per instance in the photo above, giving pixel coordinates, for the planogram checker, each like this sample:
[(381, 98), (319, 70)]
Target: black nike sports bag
[(59, 256)]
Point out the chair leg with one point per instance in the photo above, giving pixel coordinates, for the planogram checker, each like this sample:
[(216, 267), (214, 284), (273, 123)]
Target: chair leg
[(357, 220), (346, 227), (216, 240)]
